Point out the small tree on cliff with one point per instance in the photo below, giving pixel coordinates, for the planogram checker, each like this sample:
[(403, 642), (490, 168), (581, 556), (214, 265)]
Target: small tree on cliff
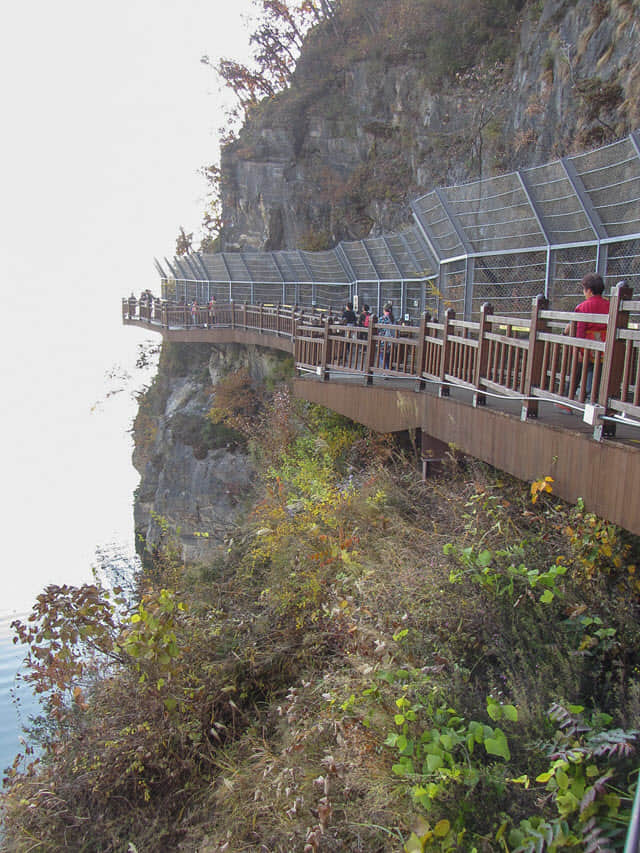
[(279, 30)]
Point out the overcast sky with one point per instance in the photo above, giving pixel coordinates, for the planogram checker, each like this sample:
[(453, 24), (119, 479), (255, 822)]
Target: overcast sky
[(107, 116)]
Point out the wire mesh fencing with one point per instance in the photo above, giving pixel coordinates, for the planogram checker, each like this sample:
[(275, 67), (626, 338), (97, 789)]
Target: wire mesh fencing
[(503, 240)]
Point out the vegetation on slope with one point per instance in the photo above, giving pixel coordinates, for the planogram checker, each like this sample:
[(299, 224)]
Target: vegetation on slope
[(373, 663)]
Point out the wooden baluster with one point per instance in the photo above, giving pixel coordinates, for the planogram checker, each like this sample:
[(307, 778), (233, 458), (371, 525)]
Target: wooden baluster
[(244, 315), (261, 318), (482, 353), (449, 315), (165, 315), (614, 350), (535, 358)]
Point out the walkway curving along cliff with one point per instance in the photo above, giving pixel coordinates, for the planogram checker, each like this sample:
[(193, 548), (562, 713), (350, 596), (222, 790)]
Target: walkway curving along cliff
[(491, 389)]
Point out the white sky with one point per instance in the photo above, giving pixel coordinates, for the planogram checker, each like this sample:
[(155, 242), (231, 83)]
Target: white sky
[(107, 115)]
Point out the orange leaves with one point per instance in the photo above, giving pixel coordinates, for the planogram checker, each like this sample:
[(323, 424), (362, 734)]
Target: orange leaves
[(539, 487)]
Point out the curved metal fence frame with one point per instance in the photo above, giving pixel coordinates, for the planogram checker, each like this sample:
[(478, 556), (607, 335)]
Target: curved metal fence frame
[(502, 240)]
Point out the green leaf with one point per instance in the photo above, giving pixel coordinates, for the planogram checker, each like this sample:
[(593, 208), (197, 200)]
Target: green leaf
[(544, 777), (447, 741), (414, 844), (434, 762), (497, 745), (494, 709), (546, 597), (441, 829), (511, 713)]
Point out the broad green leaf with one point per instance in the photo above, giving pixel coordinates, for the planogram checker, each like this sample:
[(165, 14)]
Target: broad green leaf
[(497, 745), (434, 762)]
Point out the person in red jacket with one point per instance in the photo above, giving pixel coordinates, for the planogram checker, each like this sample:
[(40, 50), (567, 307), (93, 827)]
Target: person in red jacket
[(594, 303)]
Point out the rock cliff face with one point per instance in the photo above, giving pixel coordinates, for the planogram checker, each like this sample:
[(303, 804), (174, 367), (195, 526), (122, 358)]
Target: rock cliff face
[(195, 476), (339, 154)]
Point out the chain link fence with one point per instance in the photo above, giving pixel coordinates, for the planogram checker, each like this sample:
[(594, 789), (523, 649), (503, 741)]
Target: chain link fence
[(502, 240)]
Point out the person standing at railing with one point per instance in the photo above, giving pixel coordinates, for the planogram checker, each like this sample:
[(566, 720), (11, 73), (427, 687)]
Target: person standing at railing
[(594, 303), (349, 315), (363, 319), (194, 312), (212, 310)]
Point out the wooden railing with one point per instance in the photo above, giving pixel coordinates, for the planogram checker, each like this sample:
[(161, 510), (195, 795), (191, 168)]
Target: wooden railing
[(526, 358)]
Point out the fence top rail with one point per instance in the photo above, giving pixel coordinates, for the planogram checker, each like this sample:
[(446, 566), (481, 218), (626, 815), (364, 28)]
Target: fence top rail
[(574, 316), (499, 320)]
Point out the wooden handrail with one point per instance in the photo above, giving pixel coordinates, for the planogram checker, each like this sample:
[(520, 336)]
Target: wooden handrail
[(529, 358)]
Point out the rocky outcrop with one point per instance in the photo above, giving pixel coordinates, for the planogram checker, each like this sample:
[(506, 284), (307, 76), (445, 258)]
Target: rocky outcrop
[(339, 154), (196, 476)]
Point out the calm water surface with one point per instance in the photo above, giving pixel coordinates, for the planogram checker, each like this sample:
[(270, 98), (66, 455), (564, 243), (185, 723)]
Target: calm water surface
[(16, 701)]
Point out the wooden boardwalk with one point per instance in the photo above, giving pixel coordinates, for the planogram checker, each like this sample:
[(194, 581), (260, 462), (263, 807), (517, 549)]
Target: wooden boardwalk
[(491, 388)]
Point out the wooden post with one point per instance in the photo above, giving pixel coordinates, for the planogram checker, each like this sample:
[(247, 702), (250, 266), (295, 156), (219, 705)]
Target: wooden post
[(420, 355), (449, 315), (244, 315), (294, 336), (370, 353), (324, 373), (481, 355), (165, 315), (260, 318), (534, 357), (613, 355)]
